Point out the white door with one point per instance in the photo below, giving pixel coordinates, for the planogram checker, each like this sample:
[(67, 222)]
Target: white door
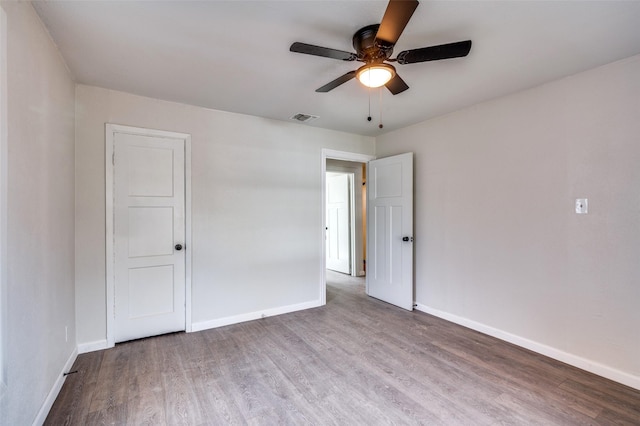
[(390, 230), (338, 223), (149, 227)]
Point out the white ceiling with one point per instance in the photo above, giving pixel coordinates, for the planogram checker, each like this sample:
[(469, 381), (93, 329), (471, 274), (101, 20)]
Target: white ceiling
[(234, 55)]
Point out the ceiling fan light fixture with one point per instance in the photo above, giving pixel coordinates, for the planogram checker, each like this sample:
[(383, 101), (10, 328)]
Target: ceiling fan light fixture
[(376, 75)]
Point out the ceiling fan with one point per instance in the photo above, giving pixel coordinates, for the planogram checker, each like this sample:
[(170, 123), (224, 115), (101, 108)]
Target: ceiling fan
[(374, 46)]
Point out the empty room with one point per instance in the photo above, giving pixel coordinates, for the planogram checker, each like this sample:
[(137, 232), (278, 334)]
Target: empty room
[(319, 212)]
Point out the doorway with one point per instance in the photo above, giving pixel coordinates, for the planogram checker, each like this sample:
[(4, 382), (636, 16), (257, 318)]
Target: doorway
[(389, 233), (353, 165), (346, 217)]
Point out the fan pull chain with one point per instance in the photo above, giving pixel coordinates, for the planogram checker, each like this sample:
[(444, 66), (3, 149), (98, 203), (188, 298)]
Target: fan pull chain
[(369, 116), (380, 125)]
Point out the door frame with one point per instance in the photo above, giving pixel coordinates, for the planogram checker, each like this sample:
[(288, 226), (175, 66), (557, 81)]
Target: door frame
[(110, 131), (334, 155)]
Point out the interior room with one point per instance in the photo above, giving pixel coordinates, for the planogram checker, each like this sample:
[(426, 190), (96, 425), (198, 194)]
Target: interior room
[(499, 228)]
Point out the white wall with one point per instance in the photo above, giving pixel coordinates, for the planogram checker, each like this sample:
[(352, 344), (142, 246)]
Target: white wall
[(40, 210), (256, 209), (498, 245)]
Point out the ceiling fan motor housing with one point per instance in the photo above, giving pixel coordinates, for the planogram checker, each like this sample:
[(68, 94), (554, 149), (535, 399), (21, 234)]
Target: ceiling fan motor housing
[(364, 42)]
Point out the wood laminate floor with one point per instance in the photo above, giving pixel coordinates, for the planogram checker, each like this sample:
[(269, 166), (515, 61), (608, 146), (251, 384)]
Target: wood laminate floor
[(355, 361)]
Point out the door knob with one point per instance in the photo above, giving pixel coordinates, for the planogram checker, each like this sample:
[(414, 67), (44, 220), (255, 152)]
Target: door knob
[(178, 247), (407, 239)]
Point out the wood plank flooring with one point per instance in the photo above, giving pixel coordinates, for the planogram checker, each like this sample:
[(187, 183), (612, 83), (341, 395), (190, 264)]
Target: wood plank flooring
[(354, 361)]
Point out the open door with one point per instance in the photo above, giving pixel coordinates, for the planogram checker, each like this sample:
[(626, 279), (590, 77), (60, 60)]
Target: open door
[(390, 230)]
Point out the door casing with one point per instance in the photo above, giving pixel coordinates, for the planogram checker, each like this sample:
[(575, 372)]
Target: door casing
[(110, 131)]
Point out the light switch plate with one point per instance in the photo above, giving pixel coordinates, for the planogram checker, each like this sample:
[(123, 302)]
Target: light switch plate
[(582, 205)]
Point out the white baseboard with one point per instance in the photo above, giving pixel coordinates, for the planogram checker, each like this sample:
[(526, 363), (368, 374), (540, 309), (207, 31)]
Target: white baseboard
[(97, 345), (221, 322), (571, 359), (55, 390)]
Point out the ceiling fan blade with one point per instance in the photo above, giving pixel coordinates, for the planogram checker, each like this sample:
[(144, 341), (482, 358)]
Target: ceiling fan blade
[(396, 85), (337, 82), (326, 52), (395, 18), (435, 53)]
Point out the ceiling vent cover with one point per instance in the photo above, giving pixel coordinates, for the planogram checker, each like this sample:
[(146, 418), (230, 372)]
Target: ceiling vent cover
[(304, 118)]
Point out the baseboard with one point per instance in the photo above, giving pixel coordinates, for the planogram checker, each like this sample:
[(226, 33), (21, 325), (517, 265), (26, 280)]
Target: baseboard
[(97, 345), (55, 390), (557, 354), (221, 322)]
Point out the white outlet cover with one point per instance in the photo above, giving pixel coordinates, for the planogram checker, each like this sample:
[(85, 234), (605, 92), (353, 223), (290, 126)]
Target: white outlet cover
[(582, 205)]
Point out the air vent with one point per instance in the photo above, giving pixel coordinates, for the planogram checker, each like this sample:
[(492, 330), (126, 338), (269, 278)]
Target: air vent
[(304, 118)]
